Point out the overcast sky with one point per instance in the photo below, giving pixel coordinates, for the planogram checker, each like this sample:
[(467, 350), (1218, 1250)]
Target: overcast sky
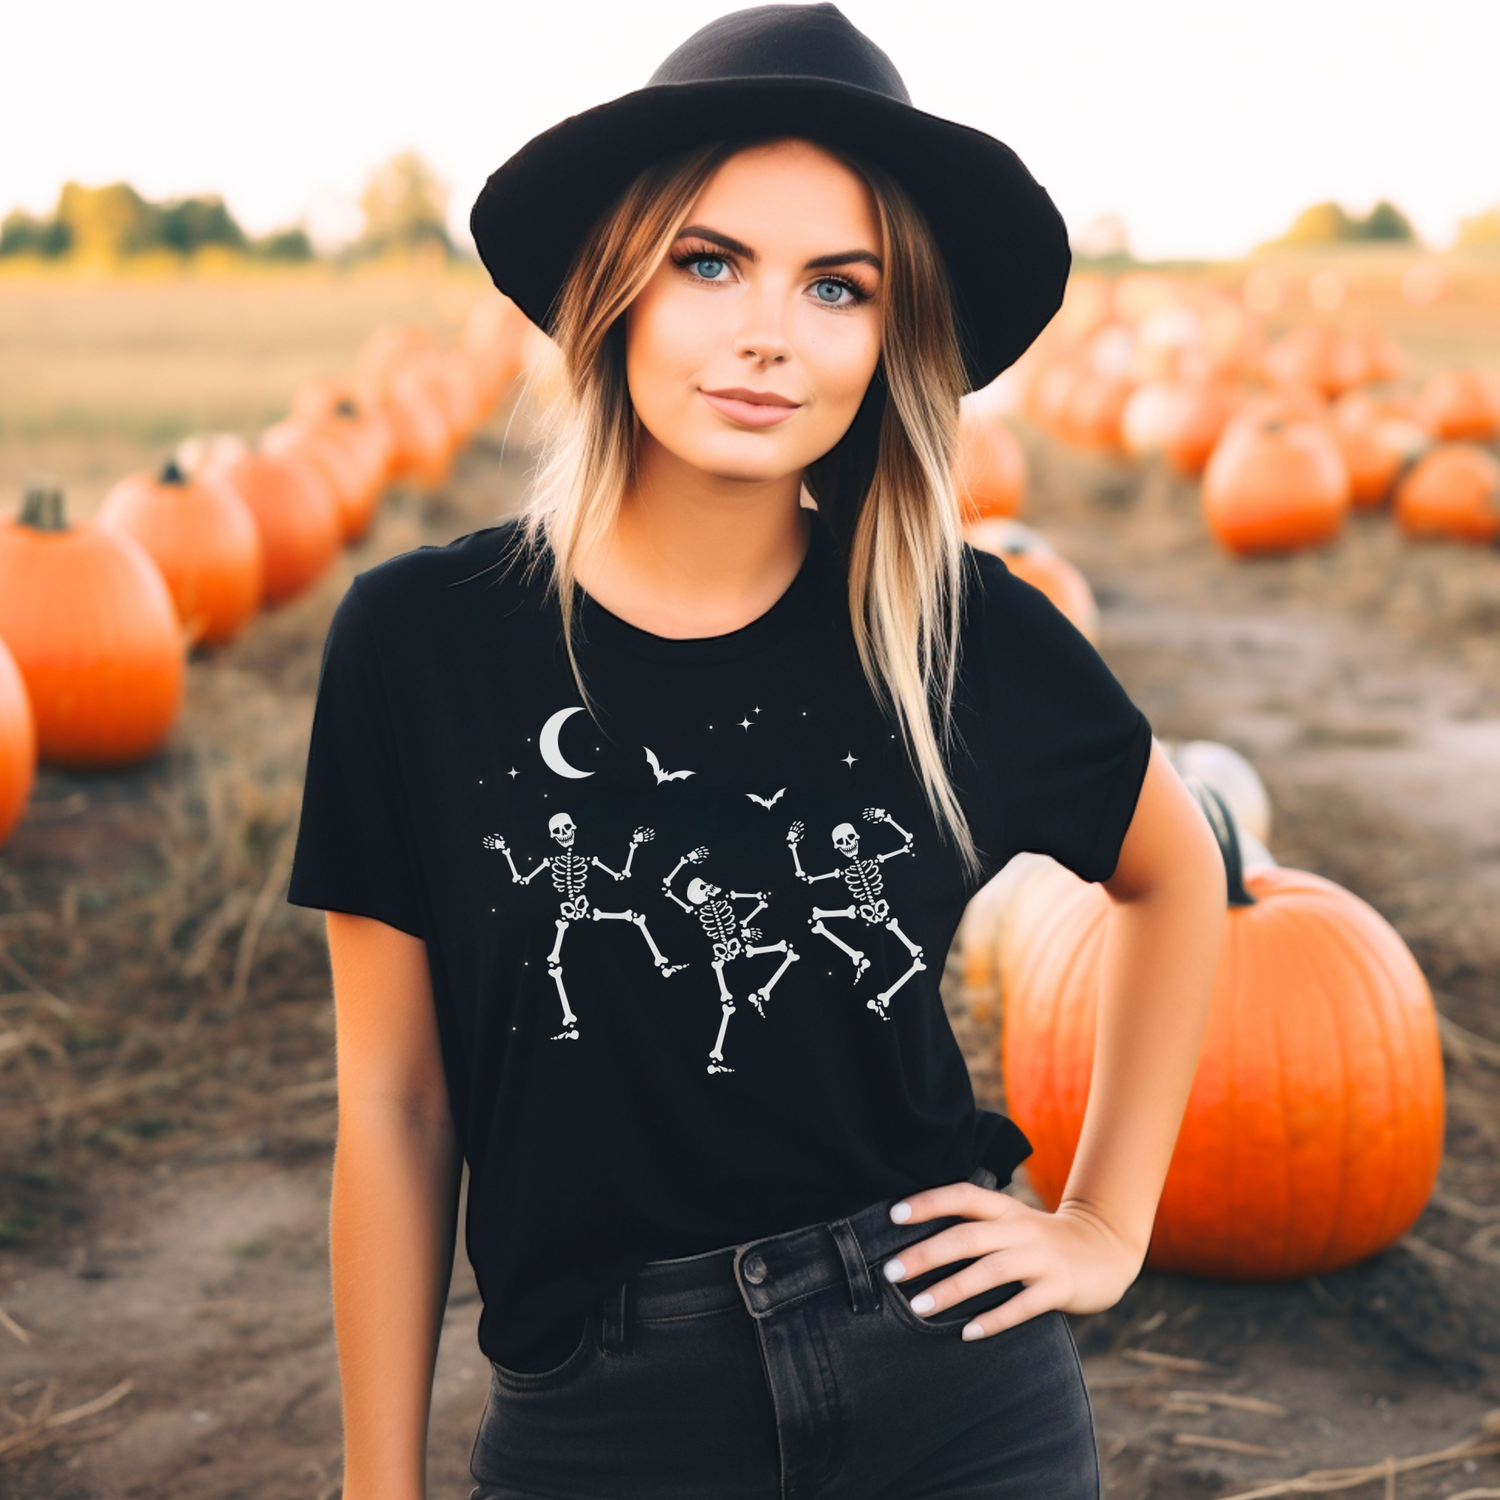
[(1206, 124)]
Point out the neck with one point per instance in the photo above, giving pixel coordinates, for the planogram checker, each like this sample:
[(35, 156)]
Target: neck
[(694, 554)]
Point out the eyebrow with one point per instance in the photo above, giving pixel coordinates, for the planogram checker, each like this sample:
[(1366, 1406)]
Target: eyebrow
[(819, 263)]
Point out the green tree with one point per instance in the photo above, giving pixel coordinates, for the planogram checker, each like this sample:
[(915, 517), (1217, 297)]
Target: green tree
[(405, 205), (22, 234), (1385, 222), (110, 221), (283, 244), (186, 223)]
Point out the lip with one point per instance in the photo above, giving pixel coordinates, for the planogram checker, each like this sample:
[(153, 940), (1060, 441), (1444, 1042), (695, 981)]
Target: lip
[(751, 408)]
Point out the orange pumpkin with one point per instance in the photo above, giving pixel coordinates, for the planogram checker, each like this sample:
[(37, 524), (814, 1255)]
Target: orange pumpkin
[(340, 462), (295, 511), (989, 471), (1365, 439), (1460, 406), (1306, 357), (1275, 482), (1181, 420), (1034, 561), (204, 540), (1454, 491), (492, 338), (17, 744), (1314, 1128), (422, 450), (337, 403), (92, 627)]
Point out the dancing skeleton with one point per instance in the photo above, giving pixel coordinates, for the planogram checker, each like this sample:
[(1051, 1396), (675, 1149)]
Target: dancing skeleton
[(570, 873), (732, 937), (865, 883)]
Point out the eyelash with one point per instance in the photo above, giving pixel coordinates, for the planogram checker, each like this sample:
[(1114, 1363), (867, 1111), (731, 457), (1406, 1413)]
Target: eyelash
[(684, 258)]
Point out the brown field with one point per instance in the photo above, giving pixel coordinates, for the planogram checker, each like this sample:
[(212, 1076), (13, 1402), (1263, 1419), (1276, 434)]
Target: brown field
[(166, 1091)]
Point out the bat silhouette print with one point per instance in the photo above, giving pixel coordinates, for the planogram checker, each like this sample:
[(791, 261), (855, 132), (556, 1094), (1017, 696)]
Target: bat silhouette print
[(866, 885), (661, 775), (570, 873), (732, 937), (770, 801)]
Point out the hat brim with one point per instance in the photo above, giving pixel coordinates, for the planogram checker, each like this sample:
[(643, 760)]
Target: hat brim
[(1002, 239)]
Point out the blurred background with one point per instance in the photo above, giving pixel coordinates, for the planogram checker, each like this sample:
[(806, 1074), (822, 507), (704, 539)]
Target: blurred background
[(246, 351)]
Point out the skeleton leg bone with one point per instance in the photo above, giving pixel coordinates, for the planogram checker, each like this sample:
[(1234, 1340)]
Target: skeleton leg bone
[(758, 997), (894, 926), (861, 963), (554, 968), (658, 957), (716, 1063), (880, 1004)]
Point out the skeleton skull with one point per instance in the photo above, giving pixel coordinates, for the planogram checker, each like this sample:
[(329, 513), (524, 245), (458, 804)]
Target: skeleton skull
[(846, 840), (699, 890), (563, 829)]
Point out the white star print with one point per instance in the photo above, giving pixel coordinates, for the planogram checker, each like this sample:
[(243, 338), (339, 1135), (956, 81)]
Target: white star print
[(850, 759), (512, 773), (746, 723)]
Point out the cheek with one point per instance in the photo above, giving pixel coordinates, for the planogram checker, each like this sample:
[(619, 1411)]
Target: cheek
[(669, 337), (840, 356)]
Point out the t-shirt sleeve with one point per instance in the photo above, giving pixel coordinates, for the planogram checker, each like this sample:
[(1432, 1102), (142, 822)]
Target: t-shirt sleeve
[(1069, 746), (355, 849)]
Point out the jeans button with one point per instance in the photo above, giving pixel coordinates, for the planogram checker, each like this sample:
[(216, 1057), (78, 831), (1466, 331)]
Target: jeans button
[(755, 1269)]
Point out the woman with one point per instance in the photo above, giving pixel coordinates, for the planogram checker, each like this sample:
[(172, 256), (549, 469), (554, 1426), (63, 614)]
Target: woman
[(643, 826)]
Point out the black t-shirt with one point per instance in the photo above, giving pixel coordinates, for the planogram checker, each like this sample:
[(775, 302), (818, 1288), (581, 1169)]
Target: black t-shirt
[(685, 957)]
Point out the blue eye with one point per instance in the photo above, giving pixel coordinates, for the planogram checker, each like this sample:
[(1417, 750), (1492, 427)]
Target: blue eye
[(708, 266), (829, 291)]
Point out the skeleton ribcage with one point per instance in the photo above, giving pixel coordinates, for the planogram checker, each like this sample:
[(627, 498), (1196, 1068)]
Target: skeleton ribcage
[(718, 921), (864, 880), (570, 873)]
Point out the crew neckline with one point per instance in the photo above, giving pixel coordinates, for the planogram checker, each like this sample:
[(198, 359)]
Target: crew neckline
[(601, 626)]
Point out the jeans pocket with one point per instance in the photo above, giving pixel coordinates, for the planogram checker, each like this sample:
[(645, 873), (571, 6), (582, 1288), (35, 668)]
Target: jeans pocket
[(545, 1380), (948, 1322)]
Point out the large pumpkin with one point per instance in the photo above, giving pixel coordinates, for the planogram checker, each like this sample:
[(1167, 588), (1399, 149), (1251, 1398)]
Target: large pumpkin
[(91, 624), (1034, 560), (1180, 419), (989, 470), (1314, 1128), (201, 535), (1454, 491), (17, 744), (340, 461), (294, 509), (337, 403), (1275, 481), (1460, 406)]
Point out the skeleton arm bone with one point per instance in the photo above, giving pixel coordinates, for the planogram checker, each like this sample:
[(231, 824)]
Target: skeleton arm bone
[(760, 904), (793, 839), (494, 841), (639, 837), (880, 816), (692, 857)]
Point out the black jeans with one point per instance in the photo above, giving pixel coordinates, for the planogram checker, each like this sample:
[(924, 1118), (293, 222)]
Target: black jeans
[(789, 1368)]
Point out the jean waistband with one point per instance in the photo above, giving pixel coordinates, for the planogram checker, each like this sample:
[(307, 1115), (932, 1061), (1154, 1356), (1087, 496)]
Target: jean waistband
[(771, 1273)]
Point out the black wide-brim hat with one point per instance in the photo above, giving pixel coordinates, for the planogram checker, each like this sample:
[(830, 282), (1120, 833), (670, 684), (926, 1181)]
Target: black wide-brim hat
[(789, 70)]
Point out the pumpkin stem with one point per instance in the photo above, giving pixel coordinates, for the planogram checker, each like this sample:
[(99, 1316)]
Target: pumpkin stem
[(346, 408), (42, 507), (1221, 820), (171, 473)]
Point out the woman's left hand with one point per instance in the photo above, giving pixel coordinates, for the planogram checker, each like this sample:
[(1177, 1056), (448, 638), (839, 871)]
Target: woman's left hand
[(1070, 1260)]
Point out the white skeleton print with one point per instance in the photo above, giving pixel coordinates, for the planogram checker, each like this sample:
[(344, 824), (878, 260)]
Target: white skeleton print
[(866, 885), (570, 873), (732, 937)]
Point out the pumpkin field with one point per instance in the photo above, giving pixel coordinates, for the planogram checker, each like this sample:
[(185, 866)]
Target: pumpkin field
[(1268, 492)]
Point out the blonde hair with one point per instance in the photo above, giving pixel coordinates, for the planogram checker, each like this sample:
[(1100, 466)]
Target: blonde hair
[(885, 489)]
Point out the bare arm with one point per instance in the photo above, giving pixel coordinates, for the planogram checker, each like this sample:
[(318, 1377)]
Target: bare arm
[(1161, 952), (396, 1174)]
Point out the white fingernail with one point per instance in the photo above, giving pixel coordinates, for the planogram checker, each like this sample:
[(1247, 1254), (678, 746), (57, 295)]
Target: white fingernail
[(900, 1212), (973, 1331), (894, 1270), (922, 1302)]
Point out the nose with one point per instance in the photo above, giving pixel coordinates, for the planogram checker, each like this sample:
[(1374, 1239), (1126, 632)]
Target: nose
[(761, 338)]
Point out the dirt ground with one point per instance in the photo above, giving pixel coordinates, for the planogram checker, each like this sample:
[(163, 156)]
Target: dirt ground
[(166, 1099)]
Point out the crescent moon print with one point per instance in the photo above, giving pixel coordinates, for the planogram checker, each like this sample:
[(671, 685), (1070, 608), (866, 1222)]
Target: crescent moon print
[(551, 750)]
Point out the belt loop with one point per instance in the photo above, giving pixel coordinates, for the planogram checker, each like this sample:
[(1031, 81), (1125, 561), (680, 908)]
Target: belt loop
[(612, 1320), (862, 1290)]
